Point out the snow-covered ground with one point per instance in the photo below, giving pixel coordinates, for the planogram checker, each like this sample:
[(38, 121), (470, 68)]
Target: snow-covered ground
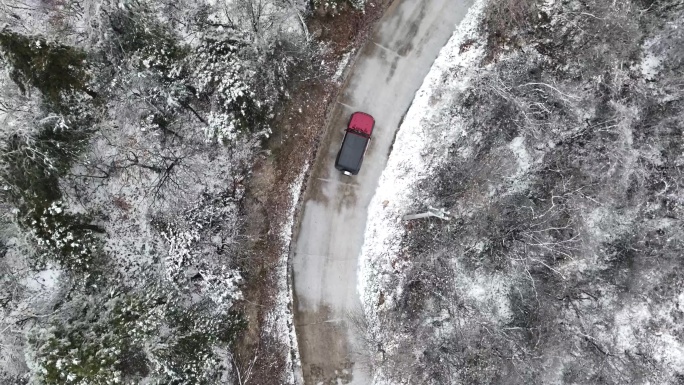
[(280, 321), (558, 263)]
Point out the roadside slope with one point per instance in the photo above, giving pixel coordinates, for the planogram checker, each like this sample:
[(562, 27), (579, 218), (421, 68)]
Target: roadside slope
[(558, 153)]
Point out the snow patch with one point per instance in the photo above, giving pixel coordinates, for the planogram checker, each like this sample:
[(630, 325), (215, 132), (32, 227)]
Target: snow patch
[(341, 66), (490, 294), (44, 281), (280, 321), (630, 324), (517, 146), (650, 63)]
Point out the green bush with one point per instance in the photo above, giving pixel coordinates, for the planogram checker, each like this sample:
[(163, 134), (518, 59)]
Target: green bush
[(190, 358), (96, 336), (86, 346), (68, 237), (50, 67), (221, 80), (33, 162)]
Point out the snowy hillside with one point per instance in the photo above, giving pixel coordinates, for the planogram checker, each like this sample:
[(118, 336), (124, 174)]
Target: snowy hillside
[(551, 132)]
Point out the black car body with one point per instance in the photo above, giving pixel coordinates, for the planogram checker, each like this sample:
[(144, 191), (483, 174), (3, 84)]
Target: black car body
[(355, 143)]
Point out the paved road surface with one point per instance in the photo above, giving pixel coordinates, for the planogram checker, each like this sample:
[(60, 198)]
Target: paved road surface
[(383, 82)]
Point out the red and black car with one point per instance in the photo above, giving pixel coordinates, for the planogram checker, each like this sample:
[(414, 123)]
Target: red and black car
[(355, 142)]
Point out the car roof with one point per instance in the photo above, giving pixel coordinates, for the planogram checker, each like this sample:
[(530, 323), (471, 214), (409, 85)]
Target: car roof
[(362, 122), (351, 153)]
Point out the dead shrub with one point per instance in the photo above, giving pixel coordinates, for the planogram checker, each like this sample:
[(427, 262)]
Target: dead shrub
[(504, 20)]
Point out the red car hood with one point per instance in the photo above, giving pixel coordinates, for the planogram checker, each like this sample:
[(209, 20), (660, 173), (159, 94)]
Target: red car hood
[(362, 123)]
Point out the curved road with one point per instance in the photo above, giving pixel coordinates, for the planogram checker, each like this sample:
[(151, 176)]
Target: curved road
[(387, 73)]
